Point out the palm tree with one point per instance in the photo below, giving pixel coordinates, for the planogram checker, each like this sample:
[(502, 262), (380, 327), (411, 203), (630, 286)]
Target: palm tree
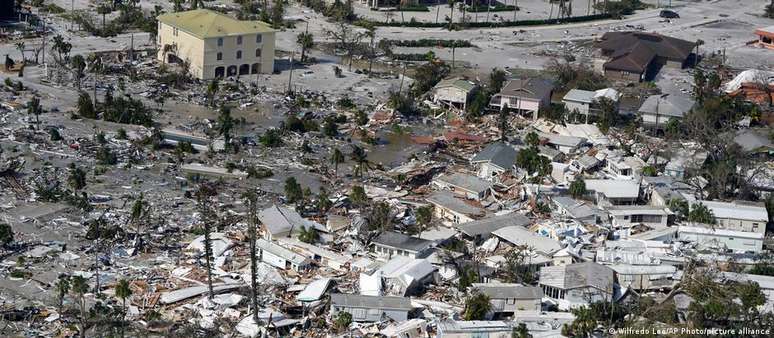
[(503, 123), (308, 235), (104, 10), (123, 291), (225, 125), (336, 158), (195, 4), (78, 64), (34, 108), (212, 90), (251, 200), (177, 5), (306, 41), (62, 289), (139, 211), (20, 47), (451, 16), (371, 34), (437, 10), (80, 287), (361, 160)]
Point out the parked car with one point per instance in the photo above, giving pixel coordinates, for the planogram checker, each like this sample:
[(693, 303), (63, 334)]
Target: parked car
[(669, 14)]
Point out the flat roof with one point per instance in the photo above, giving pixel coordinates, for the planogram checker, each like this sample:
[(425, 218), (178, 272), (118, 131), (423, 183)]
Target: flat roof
[(737, 210), (615, 188), (373, 302), (703, 229)]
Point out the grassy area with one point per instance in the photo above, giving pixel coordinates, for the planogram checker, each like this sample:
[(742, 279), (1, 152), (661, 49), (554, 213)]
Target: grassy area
[(463, 25), (496, 8)]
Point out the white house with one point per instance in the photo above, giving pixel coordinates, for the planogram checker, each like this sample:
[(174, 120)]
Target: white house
[(474, 329), (564, 143), (508, 297), (494, 159), (657, 110), (524, 96), (721, 239), (614, 192), (586, 102), (626, 216), (469, 186), (280, 257), (576, 285), (454, 92), (739, 215), (453, 210)]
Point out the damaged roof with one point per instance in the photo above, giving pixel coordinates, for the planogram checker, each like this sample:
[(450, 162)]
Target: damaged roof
[(578, 275), (498, 153), (669, 106), (457, 82), (507, 290), (466, 182), (371, 302), (484, 227), (447, 200), (519, 235), (279, 220), (401, 241)]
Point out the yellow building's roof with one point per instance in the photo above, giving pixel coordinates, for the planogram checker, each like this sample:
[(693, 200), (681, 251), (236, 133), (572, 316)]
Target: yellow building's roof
[(205, 23)]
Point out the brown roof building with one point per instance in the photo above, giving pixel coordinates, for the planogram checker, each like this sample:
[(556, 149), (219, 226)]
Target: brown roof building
[(637, 56), (765, 37)]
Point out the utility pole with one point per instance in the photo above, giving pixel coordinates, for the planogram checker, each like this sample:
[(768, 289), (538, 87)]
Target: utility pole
[(403, 76), (131, 48), (45, 30), (454, 47), (290, 76), (95, 90), (658, 103), (72, 12)]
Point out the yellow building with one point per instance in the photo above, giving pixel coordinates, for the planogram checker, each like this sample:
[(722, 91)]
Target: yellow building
[(215, 44)]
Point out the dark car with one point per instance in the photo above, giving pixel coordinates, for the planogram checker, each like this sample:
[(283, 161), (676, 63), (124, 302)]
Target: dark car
[(669, 14)]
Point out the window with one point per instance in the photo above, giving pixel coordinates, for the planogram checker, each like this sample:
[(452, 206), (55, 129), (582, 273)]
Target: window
[(358, 313), (174, 31), (239, 54), (239, 40), (258, 38), (258, 52), (220, 56), (220, 42)]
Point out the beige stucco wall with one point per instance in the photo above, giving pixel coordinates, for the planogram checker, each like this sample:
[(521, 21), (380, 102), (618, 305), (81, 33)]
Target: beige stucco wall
[(189, 47), (230, 48), (202, 53)]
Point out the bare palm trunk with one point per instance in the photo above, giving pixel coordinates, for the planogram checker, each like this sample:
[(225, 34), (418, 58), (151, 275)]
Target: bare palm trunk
[(551, 14), (208, 257), (451, 16), (515, 5), (372, 56), (488, 8), (123, 319), (253, 263), (438, 9)]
